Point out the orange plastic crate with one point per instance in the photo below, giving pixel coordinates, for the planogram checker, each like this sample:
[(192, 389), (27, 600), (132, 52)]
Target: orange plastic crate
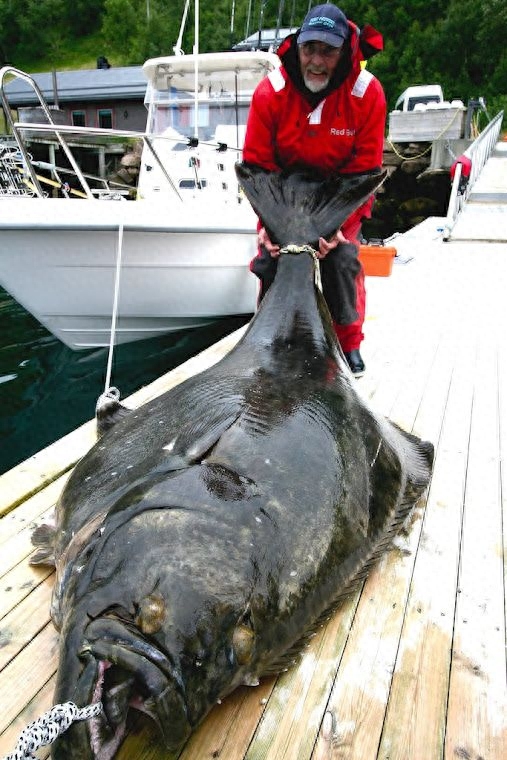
[(377, 260)]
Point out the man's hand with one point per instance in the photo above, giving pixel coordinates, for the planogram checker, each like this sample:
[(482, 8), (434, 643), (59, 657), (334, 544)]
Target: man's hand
[(327, 245), (324, 245), (263, 239)]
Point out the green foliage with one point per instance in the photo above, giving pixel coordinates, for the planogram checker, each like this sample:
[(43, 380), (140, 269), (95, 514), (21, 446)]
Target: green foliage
[(457, 43)]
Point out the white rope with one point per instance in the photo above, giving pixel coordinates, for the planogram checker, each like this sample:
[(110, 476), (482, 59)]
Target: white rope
[(110, 394), (49, 726), (115, 307), (313, 253)]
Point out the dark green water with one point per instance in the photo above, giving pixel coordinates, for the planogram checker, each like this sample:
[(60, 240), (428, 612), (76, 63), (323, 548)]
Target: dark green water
[(46, 390)]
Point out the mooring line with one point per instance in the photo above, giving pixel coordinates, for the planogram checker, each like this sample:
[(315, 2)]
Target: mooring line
[(114, 315)]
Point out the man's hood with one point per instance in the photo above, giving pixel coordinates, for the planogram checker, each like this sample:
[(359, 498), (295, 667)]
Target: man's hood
[(360, 45)]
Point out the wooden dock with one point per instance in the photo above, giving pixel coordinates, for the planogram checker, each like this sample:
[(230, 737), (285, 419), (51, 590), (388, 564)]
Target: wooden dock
[(412, 667)]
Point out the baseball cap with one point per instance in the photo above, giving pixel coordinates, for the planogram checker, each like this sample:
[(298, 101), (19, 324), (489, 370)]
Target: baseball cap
[(325, 23)]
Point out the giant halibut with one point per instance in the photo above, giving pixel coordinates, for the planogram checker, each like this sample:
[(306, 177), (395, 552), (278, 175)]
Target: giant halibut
[(205, 535)]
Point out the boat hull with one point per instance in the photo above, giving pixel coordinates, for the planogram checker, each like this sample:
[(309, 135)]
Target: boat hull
[(181, 267)]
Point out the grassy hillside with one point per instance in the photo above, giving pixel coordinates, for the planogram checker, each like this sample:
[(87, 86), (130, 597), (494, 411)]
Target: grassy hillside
[(82, 54)]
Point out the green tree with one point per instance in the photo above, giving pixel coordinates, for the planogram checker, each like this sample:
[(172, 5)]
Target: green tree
[(457, 43), (44, 28)]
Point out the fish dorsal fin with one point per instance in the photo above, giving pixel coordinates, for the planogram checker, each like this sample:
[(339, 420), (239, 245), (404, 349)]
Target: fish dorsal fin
[(297, 208)]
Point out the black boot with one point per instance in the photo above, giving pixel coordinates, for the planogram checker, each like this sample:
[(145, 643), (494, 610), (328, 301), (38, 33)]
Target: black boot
[(355, 362)]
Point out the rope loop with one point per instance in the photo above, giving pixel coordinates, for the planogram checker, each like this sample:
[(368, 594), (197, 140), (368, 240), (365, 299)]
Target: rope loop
[(110, 394), (292, 248), (46, 729), (295, 249)]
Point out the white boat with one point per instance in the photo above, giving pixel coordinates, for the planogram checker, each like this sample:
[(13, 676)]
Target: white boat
[(184, 245)]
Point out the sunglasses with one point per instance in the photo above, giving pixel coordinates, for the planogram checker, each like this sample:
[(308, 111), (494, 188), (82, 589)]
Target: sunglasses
[(309, 49)]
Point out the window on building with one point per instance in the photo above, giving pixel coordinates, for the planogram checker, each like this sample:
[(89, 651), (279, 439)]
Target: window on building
[(78, 118), (106, 118)]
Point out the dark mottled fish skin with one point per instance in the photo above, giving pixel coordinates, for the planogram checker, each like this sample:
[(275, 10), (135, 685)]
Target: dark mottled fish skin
[(205, 535)]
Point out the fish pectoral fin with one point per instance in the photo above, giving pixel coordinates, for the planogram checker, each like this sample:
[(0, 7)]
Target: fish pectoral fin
[(44, 537), (203, 442)]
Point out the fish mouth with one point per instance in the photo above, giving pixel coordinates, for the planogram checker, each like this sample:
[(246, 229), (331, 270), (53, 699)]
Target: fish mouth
[(124, 671)]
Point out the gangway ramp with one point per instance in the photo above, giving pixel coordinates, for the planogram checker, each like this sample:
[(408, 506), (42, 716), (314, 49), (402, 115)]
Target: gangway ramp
[(484, 214)]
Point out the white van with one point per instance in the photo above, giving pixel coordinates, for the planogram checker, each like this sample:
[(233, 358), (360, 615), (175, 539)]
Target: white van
[(423, 93)]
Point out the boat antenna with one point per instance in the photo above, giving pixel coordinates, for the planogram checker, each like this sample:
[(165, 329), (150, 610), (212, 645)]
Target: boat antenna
[(261, 21), (292, 13), (231, 30), (248, 15), (177, 49), (279, 20), (196, 67), (236, 106)]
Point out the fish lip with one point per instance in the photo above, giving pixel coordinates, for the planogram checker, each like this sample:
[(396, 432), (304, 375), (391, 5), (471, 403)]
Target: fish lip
[(77, 743), (145, 678)]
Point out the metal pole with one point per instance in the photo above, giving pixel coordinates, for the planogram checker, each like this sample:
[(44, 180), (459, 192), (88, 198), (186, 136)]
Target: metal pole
[(279, 19), (55, 88), (249, 13), (233, 10), (261, 21), (196, 67)]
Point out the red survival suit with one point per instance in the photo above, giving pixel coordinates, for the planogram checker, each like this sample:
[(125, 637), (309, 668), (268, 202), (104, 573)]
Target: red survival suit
[(337, 131)]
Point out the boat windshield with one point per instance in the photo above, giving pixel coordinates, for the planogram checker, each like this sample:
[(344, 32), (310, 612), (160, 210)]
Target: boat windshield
[(221, 114), (422, 99)]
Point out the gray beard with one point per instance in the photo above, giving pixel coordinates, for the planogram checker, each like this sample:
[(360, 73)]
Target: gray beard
[(315, 86)]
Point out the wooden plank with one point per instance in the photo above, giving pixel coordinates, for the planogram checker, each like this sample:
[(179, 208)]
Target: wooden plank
[(24, 622), (228, 730), (477, 719), (31, 511), (355, 710), (415, 720), (404, 341), (356, 707), (502, 404), (42, 468), (18, 583), (295, 710), (20, 546), (29, 670), (41, 702)]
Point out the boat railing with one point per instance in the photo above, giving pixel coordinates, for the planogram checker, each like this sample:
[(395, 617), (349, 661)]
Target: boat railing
[(478, 153), (62, 131), (12, 169)]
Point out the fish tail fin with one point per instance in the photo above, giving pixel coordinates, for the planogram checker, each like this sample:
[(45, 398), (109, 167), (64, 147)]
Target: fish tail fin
[(297, 208)]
